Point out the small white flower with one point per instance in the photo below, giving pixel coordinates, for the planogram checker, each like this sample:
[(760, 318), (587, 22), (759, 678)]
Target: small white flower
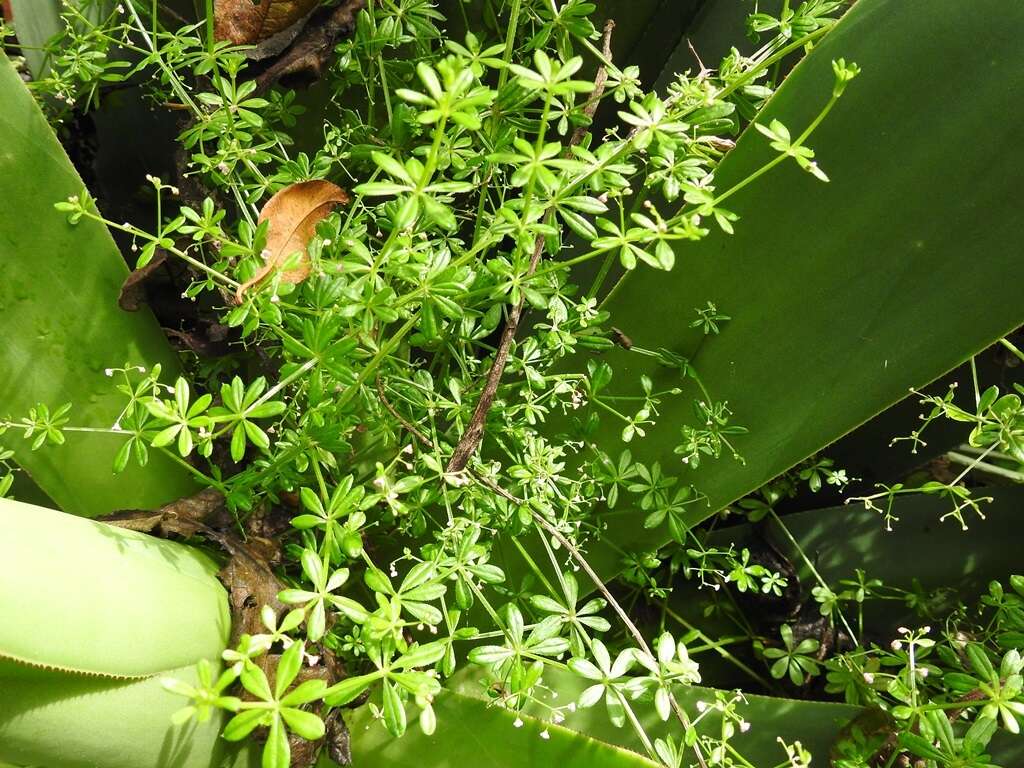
[(544, 734), (518, 722), (108, 371), (869, 678), (744, 726), (896, 645), (702, 706)]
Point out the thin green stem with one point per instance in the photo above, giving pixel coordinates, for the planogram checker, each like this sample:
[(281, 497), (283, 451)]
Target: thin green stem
[(1006, 343), (810, 566), (992, 469)]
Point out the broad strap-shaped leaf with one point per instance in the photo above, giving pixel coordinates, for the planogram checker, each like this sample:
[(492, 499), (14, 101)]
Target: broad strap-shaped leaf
[(844, 295), (62, 327), (36, 21), (840, 539), (87, 597), (920, 552), (815, 724), (94, 617), (471, 732), (919, 547), (50, 718)]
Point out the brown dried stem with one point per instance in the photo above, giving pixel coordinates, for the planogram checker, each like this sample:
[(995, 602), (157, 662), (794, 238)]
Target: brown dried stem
[(470, 440)]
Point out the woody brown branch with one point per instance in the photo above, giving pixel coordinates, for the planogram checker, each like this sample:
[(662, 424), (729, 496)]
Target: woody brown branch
[(470, 440)]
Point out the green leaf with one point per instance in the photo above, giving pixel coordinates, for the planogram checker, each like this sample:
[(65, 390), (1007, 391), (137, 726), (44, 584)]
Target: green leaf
[(37, 21), (104, 722), (304, 693), (346, 690), (835, 280), (848, 537), (276, 752), (394, 712), (95, 618), (242, 724), (146, 606), (62, 326), (469, 732), (287, 668), (305, 724), (421, 656)]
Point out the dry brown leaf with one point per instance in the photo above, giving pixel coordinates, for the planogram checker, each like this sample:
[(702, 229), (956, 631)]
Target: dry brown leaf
[(244, 22), (310, 53), (293, 214), (187, 516), (133, 290)]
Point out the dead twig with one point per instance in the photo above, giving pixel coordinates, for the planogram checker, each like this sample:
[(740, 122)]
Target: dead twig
[(599, 82), (470, 440)]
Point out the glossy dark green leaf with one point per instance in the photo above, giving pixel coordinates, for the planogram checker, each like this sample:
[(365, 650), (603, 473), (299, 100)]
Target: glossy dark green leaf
[(470, 733), (95, 616), (844, 295), (61, 324), (35, 22), (840, 540), (848, 537), (817, 725)]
